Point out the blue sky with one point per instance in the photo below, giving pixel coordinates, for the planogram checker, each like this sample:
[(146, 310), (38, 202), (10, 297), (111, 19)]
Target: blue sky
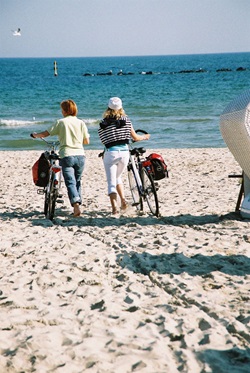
[(85, 28)]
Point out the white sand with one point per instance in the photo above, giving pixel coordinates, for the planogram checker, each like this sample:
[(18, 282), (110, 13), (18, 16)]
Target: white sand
[(135, 294)]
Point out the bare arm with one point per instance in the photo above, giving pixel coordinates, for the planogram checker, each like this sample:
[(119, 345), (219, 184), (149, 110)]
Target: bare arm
[(136, 137), (40, 134), (86, 141)]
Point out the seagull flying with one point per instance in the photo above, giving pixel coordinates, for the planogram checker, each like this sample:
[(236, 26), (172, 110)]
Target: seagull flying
[(17, 32)]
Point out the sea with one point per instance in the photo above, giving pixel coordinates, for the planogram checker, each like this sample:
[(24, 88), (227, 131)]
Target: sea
[(178, 99)]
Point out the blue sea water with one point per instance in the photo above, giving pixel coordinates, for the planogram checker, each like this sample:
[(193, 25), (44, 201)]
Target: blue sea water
[(178, 99)]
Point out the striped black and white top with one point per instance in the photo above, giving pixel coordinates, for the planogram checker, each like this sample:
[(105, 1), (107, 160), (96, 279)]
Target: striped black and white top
[(115, 131)]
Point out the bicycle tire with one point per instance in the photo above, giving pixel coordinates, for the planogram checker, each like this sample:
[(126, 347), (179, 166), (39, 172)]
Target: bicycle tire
[(52, 196), (150, 194), (136, 196), (46, 203)]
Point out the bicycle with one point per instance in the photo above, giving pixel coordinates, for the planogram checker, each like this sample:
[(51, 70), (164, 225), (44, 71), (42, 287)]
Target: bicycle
[(52, 190), (141, 182)]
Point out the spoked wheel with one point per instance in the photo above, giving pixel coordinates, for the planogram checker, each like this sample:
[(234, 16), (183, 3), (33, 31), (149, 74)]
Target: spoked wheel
[(150, 193), (137, 199)]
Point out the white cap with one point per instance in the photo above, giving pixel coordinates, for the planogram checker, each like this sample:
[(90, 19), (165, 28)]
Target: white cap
[(115, 103)]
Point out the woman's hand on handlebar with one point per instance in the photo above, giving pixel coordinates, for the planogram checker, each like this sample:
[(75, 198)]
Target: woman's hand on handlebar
[(136, 137), (146, 136), (143, 137), (39, 135)]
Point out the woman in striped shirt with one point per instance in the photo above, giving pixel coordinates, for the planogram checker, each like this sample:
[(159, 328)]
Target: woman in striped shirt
[(115, 132)]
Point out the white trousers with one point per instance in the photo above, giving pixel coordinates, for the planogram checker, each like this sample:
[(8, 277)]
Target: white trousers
[(115, 162)]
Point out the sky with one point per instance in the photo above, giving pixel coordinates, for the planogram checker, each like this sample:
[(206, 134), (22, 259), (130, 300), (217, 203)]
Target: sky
[(92, 28)]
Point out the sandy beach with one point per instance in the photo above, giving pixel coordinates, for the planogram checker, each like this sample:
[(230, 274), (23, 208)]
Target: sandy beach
[(134, 294)]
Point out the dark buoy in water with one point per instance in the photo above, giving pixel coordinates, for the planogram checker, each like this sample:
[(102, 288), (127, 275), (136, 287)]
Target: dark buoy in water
[(55, 68)]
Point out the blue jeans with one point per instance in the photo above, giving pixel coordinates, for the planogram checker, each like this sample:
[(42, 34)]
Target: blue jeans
[(72, 168)]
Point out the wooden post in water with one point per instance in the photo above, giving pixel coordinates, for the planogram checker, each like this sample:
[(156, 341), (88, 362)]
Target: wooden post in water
[(55, 68)]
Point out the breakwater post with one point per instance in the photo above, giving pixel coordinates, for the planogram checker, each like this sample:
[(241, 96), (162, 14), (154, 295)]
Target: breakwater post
[(55, 69)]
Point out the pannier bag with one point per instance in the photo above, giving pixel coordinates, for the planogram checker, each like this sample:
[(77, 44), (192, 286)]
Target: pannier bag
[(157, 166), (40, 171)]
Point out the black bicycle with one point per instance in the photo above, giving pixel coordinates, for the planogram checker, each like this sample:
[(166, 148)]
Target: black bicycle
[(141, 182), (51, 191)]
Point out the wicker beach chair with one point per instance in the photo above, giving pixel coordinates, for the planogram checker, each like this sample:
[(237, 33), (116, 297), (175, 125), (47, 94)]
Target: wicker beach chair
[(235, 130)]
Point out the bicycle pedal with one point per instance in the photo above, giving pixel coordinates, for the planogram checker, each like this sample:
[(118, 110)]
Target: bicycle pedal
[(59, 201), (135, 204)]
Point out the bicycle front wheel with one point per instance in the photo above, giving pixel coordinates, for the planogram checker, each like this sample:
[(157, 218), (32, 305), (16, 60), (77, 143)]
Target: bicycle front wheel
[(150, 193), (137, 199)]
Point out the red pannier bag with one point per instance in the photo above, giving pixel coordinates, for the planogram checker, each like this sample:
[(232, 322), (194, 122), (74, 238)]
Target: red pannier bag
[(40, 171), (156, 166)]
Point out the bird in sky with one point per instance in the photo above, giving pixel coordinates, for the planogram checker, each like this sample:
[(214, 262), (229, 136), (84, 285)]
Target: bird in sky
[(16, 32)]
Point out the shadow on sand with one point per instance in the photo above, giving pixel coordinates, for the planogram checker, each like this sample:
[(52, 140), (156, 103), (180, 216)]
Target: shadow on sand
[(234, 360), (177, 263), (103, 219)]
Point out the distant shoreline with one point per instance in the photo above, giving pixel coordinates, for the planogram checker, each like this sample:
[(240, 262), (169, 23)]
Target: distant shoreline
[(130, 56)]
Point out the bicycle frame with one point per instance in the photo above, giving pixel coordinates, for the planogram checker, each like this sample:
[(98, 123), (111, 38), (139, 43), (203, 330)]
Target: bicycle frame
[(54, 177), (141, 183), (55, 170), (135, 171), (53, 157)]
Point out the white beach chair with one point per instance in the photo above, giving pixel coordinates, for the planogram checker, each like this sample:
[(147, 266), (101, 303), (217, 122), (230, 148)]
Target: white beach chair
[(235, 130)]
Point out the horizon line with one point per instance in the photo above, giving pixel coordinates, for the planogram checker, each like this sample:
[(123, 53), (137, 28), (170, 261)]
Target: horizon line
[(129, 56)]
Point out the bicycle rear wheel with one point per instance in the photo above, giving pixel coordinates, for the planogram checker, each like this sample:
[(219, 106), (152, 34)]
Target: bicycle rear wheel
[(50, 201), (137, 199), (46, 203), (150, 193)]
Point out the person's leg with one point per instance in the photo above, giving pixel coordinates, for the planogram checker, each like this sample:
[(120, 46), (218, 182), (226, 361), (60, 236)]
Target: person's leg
[(79, 167), (67, 164), (77, 211), (121, 166), (110, 166), (113, 201), (120, 191)]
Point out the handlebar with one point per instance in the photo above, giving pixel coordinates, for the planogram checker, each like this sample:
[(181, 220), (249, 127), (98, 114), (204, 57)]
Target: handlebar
[(51, 144), (141, 131)]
